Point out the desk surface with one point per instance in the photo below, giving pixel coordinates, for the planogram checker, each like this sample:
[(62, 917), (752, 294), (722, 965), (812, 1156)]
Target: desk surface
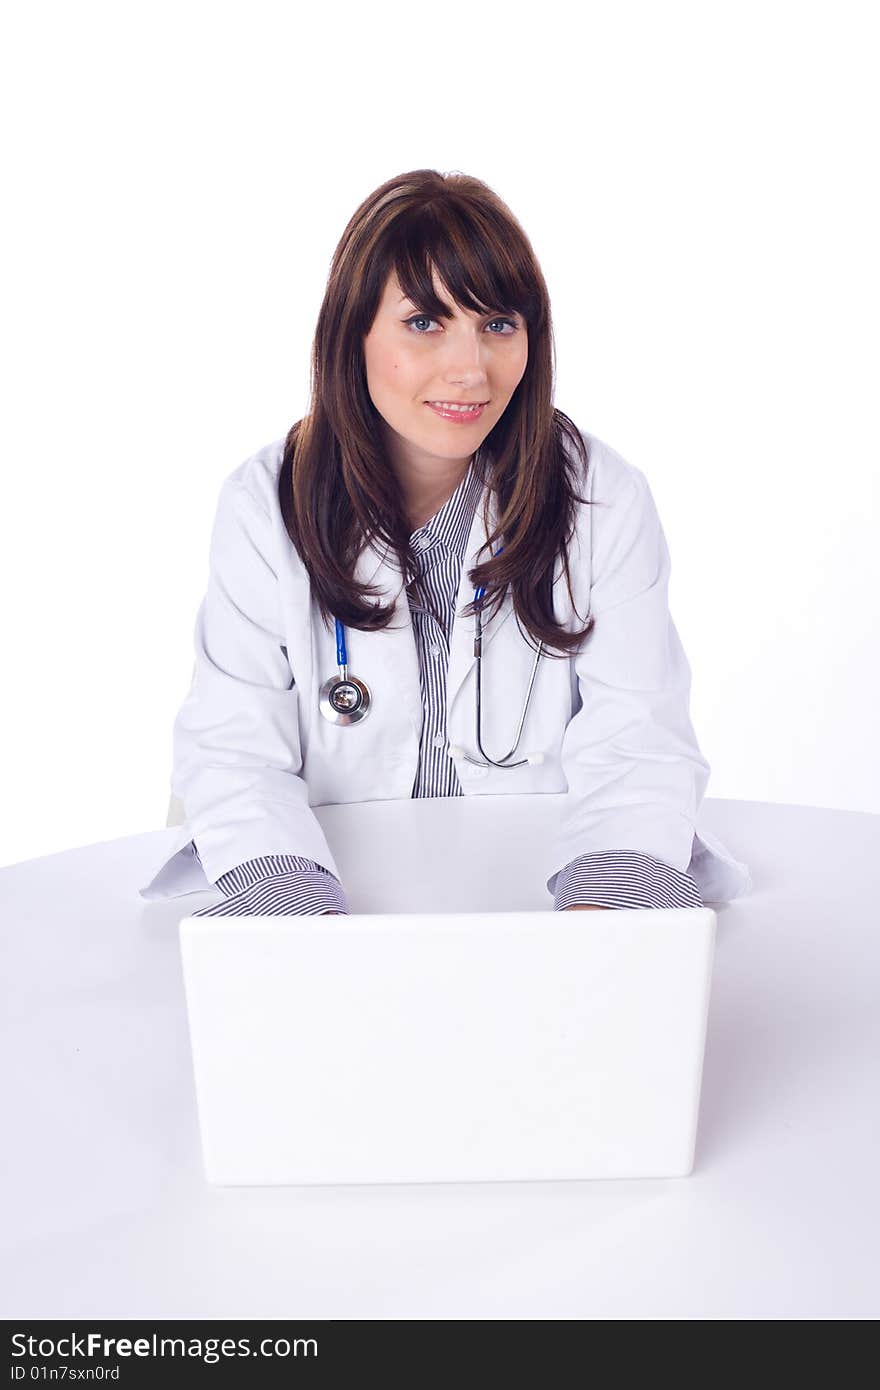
[(106, 1211)]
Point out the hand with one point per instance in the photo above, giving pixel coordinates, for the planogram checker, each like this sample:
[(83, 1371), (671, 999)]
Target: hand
[(584, 907)]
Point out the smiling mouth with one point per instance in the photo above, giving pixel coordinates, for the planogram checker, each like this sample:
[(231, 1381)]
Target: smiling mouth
[(454, 411)]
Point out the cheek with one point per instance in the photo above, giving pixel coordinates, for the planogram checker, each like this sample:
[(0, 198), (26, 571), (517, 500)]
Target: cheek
[(402, 374), (399, 373), (510, 370), (388, 376), (520, 365)]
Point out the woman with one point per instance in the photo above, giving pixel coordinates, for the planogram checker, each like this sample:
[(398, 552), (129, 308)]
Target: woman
[(431, 471)]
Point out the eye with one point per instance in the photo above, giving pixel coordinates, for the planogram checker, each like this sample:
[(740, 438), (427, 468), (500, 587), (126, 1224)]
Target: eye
[(424, 318)]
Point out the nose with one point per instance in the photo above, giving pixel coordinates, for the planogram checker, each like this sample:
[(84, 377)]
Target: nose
[(467, 354)]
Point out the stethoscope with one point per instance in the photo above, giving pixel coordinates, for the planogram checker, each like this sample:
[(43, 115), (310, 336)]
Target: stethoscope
[(346, 700)]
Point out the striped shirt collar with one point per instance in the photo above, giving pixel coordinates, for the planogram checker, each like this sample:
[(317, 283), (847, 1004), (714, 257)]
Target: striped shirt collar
[(450, 527)]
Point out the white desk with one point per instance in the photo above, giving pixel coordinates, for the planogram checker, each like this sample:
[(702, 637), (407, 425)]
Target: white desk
[(106, 1212)]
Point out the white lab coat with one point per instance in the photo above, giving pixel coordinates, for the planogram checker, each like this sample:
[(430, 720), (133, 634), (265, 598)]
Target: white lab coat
[(253, 754)]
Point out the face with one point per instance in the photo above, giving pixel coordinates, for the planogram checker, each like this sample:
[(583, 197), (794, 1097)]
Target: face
[(412, 360)]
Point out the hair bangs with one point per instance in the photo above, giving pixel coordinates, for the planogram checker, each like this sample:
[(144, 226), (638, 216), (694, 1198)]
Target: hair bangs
[(477, 275)]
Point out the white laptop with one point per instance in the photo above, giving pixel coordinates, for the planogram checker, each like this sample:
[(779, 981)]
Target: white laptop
[(450, 1047)]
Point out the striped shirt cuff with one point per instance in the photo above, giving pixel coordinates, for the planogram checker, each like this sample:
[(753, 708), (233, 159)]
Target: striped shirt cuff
[(624, 879), (277, 885)]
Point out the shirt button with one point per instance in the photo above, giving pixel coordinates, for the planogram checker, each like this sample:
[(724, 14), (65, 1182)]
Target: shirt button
[(434, 650), (438, 741)]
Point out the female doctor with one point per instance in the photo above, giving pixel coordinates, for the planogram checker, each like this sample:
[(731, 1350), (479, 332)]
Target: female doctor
[(437, 585)]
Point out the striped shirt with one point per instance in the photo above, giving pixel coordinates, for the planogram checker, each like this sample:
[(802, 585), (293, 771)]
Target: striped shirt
[(282, 884)]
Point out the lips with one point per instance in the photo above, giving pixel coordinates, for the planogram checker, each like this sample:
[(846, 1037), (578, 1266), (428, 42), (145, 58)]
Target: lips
[(458, 416)]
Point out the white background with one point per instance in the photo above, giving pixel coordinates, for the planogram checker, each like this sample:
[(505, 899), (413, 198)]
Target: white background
[(699, 184)]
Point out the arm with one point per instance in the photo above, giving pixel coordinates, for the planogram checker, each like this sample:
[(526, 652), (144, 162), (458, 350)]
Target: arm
[(635, 773), (237, 755), (278, 885), (623, 880)]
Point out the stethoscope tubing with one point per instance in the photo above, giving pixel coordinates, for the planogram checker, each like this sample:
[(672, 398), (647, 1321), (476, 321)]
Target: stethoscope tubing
[(501, 762), (479, 595)]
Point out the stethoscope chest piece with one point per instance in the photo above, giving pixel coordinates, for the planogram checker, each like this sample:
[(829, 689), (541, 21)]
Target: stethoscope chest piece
[(344, 700)]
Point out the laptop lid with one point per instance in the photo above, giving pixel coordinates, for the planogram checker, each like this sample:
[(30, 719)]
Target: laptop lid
[(465, 1047)]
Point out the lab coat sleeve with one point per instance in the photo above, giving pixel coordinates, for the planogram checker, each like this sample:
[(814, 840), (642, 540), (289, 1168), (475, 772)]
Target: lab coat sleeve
[(237, 753), (635, 774), (624, 879), (277, 885)]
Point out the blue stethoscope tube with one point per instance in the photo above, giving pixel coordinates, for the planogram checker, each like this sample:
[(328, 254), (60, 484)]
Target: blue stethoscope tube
[(341, 653)]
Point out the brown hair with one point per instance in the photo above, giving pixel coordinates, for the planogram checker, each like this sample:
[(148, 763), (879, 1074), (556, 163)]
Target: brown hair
[(337, 489)]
